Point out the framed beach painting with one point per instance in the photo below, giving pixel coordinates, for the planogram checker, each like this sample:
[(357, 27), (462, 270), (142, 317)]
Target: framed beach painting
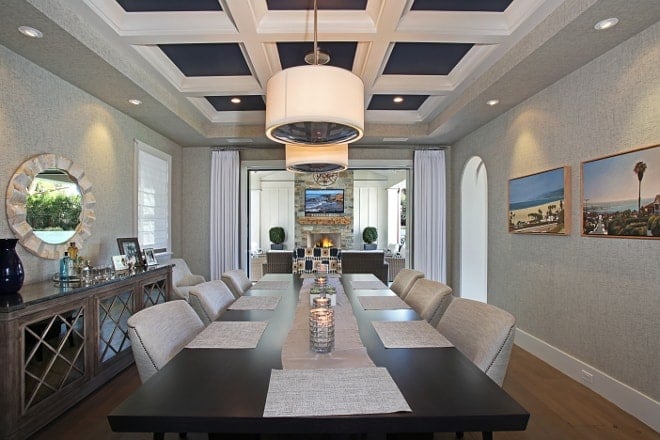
[(621, 195), (540, 203)]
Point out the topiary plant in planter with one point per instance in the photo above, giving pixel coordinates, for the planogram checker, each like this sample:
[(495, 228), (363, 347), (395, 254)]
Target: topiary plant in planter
[(370, 235), (277, 236)]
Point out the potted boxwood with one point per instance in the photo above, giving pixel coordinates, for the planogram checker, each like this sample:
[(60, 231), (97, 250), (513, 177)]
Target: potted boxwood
[(369, 235), (276, 235)]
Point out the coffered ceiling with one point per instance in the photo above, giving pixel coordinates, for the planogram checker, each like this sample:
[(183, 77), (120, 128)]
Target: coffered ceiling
[(190, 62)]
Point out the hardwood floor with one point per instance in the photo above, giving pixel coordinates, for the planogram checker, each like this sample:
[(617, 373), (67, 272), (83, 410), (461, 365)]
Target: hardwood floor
[(560, 409)]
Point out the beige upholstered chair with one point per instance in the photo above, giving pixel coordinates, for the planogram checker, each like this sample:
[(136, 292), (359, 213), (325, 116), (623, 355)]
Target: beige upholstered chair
[(210, 299), (404, 281), (429, 298), (159, 332), (183, 279), (482, 332), (237, 281)]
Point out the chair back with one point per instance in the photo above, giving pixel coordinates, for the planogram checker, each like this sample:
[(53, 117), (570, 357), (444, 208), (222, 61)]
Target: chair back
[(237, 281), (159, 332), (365, 262), (183, 279), (278, 262), (429, 298), (210, 299), (482, 332), (404, 281)]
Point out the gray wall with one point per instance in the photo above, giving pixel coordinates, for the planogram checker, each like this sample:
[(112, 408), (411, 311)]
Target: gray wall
[(597, 299), (41, 113)]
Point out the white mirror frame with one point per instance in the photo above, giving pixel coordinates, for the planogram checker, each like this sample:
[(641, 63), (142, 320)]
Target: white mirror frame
[(17, 193)]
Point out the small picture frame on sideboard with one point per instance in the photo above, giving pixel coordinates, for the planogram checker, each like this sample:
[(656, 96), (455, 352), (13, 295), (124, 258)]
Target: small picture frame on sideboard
[(149, 257)]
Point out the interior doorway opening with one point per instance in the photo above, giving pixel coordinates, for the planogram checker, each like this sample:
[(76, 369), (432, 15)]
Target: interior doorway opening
[(474, 231)]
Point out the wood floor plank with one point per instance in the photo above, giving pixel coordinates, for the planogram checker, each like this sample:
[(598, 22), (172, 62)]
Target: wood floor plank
[(560, 408)]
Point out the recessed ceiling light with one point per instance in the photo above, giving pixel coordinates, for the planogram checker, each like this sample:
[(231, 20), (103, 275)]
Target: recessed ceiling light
[(236, 100), (606, 24), (397, 99), (135, 101), (492, 102), (31, 32)]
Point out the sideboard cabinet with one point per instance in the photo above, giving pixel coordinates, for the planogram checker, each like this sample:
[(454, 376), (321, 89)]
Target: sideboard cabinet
[(58, 344)]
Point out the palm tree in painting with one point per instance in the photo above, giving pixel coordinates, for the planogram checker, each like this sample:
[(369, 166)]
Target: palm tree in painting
[(640, 169)]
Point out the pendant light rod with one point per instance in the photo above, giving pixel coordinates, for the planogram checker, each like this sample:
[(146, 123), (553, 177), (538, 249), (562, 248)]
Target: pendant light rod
[(316, 48)]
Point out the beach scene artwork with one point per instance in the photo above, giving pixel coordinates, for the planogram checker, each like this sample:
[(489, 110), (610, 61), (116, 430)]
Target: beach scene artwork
[(538, 203), (621, 195)]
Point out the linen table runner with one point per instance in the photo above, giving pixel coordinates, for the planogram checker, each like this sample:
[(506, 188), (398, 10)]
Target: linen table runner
[(256, 303), (382, 302), (349, 350), (334, 391), (409, 334), (229, 334)]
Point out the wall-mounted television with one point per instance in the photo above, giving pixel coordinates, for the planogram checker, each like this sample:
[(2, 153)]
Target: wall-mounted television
[(324, 201)]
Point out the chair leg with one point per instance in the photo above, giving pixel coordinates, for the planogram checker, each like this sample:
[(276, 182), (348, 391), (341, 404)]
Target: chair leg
[(487, 435), (459, 434), (183, 435), (159, 436)]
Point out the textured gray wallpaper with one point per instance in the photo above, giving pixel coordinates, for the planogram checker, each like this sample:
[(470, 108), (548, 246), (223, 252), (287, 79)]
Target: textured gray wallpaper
[(41, 113), (598, 299)]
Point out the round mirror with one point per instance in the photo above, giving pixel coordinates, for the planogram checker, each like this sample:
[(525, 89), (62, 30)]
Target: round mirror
[(49, 204)]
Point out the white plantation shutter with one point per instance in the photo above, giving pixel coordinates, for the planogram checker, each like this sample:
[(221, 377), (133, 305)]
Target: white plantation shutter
[(153, 196)]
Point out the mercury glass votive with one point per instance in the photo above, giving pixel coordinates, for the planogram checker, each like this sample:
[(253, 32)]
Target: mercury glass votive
[(321, 330), (322, 302)]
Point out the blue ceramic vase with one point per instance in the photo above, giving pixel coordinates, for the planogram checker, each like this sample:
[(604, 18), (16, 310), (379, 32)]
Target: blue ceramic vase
[(11, 267)]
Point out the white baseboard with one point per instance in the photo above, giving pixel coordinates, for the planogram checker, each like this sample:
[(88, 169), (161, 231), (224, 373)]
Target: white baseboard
[(628, 399)]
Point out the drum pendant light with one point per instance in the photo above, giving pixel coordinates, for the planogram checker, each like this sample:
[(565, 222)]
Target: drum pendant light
[(316, 158), (314, 104)]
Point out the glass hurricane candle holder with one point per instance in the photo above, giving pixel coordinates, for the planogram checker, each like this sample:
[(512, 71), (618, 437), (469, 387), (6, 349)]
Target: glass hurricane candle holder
[(321, 330), (322, 302)]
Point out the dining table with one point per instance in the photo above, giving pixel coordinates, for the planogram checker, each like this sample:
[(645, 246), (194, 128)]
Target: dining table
[(230, 390)]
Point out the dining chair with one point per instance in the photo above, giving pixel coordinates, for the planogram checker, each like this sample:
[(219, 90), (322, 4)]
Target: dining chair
[(183, 279), (483, 333), (237, 281), (157, 334), (404, 281), (210, 299), (429, 298)]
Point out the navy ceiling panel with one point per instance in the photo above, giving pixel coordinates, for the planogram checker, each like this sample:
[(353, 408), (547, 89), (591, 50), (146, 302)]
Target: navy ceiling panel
[(461, 5), (289, 5), (169, 5), (248, 102), (293, 54), (386, 102), (425, 58), (208, 59)]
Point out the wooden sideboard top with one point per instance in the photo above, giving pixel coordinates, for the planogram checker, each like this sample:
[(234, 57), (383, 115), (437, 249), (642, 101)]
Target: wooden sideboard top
[(36, 293)]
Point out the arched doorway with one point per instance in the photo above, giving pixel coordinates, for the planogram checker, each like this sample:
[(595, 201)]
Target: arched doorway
[(474, 230)]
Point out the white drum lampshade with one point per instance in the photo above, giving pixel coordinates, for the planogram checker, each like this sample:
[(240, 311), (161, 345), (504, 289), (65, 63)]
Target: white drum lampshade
[(314, 105), (316, 158)]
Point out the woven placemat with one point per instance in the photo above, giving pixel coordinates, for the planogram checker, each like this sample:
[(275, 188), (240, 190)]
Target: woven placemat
[(229, 334), (368, 285), (272, 285), (409, 334), (382, 302), (333, 391), (256, 303)]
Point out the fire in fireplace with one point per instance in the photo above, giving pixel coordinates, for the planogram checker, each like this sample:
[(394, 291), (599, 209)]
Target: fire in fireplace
[(324, 240)]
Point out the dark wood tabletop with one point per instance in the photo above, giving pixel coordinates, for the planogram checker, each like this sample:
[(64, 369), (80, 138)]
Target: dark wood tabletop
[(224, 391)]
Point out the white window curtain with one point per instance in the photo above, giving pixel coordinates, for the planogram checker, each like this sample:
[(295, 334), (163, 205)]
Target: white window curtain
[(153, 170), (225, 173), (429, 250)]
